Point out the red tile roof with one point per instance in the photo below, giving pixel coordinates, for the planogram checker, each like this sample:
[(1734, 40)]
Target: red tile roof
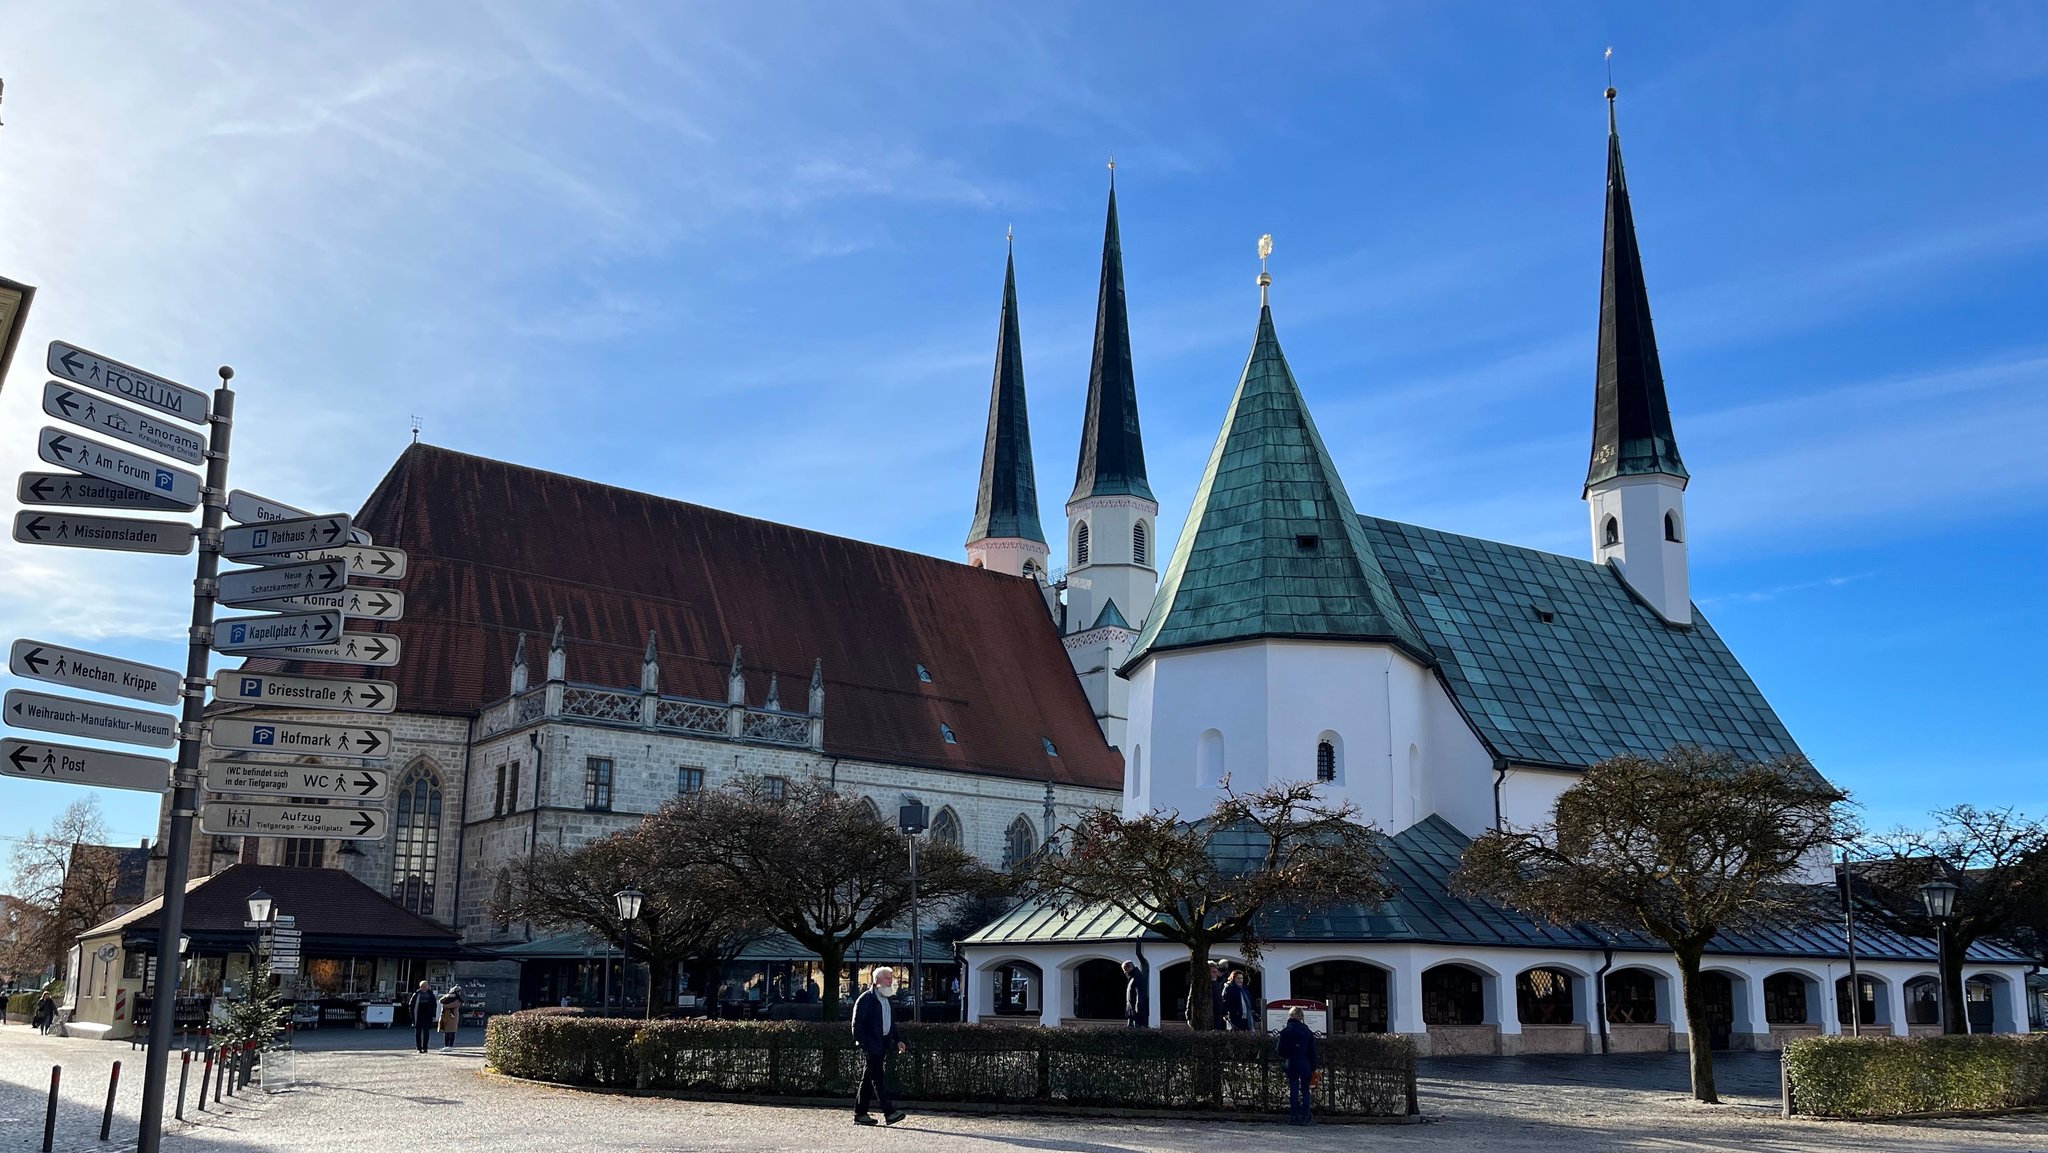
[(496, 550)]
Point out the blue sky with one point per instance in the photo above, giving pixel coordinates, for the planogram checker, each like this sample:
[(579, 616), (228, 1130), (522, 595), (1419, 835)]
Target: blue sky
[(751, 256)]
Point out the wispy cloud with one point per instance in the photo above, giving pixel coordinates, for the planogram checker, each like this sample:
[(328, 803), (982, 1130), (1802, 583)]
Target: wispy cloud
[(1759, 596)]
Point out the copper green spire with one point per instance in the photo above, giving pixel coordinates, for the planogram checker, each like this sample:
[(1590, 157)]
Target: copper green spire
[(1631, 421), (1007, 505), (1112, 452)]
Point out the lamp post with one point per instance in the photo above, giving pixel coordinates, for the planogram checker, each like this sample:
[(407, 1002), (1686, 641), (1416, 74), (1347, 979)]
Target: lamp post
[(1940, 899), (629, 900), (261, 908), (913, 818)]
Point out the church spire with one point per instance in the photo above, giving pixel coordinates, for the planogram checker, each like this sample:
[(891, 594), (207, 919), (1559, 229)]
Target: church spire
[(1007, 505), (1631, 422), (1112, 452)]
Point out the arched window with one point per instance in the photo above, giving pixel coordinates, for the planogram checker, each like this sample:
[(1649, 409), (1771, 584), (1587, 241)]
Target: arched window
[(1632, 997), (1326, 761), (1544, 997), (1671, 527), (1209, 760), (874, 811), (416, 840), (1031, 570), (1081, 544), (1139, 542), (1610, 533), (1453, 995), (1923, 1001), (1785, 999), (946, 827), (1019, 843)]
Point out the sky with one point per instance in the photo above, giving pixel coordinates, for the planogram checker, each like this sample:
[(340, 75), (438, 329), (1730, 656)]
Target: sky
[(751, 256)]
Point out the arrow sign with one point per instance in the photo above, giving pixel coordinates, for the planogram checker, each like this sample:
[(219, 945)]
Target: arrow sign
[(306, 692), (363, 561), (369, 604), (121, 423), (260, 779), (282, 537), (264, 585), (69, 488), (116, 379), (78, 669), (42, 761), (247, 508), (237, 733), (118, 534), (238, 635), (92, 458), (352, 649), (74, 718), (228, 819)]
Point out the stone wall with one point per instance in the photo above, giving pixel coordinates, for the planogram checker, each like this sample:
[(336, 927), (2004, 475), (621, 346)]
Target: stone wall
[(1464, 1040), (1638, 1038), (1550, 1039)]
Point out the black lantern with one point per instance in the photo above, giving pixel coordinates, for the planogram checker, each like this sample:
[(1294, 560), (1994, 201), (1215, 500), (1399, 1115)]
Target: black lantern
[(260, 906), (629, 900), (1940, 899)]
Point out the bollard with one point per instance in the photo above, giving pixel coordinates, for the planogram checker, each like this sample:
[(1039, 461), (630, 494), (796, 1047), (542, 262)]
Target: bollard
[(107, 1116), (184, 1071), (227, 1077), (206, 1080), (1786, 1106), (50, 1116)]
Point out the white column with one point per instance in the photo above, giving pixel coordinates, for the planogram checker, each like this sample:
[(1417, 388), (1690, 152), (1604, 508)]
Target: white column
[(1404, 989), (1753, 993), (1830, 1004), (1052, 994), (1158, 1011)]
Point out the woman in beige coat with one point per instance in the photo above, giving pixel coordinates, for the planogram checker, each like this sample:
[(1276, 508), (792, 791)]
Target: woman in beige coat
[(451, 1017)]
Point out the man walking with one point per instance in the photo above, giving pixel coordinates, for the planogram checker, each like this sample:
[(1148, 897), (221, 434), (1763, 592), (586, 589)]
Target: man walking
[(1137, 997), (874, 1030), (424, 1006)]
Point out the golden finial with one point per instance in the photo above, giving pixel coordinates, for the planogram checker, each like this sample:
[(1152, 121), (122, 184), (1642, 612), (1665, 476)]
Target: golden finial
[(1112, 170), (1265, 278)]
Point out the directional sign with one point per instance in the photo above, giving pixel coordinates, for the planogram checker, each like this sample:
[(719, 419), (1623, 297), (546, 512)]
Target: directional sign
[(247, 508), (76, 718), (69, 488), (95, 459), (256, 777), (280, 537), (239, 733), (119, 534), (352, 649), (261, 586), (369, 604), (254, 634), (78, 669), (229, 819), (306, 692), (116, 379), (122, 423), (42, 761), (380, 562)]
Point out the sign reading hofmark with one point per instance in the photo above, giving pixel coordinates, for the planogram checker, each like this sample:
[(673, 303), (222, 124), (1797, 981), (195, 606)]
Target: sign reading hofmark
[(380, 562), (247, 508), (104, 416), (116, 379), (76, 718), (236, 733), (249, 634), (264, 585), (75, 530), (69, 488), (95, 459), (307, 692), (42, 761), (350, 649), (256, 777), (228, 819), (281, 537), (78, 669), (369, 604)]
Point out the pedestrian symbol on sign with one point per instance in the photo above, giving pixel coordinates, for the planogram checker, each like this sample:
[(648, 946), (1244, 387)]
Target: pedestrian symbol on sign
[(263, 735)]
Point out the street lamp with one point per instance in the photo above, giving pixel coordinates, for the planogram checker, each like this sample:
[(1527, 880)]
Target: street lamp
[(629, 900), (261, 906), (913, 818), (1940, 899)]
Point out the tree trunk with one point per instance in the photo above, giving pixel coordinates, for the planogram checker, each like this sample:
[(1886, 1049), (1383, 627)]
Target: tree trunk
[(1201, 1007), (831, 958), (1958, 1009), (1699, 1044)]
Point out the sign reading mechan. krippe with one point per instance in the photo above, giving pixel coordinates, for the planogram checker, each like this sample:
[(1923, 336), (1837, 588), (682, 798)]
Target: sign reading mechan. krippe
[(306, 692), (78, 669)]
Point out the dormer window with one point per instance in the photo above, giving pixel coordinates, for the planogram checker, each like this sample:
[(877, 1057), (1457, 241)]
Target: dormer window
[(924, 675), (946, 731), (1307, 541), (1050, 749)]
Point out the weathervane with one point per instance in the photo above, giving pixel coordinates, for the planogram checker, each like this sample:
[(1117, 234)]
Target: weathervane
[(415, 429), (1610, 88), (1265, 278)]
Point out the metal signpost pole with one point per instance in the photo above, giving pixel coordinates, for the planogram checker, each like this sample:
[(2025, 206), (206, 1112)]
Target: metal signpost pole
[(184, 784)]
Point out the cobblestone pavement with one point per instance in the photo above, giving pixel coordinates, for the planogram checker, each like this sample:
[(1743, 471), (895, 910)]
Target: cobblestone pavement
[(368, 1092)]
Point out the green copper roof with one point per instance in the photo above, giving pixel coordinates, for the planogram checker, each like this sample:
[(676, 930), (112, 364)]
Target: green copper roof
[(1631, 421), (1110, 617), (1007, 505), (1272, 547), (1112, 451)]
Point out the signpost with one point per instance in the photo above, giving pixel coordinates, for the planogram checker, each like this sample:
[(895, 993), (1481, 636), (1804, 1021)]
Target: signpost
[(279, 538), (74, 765), (92, 458), (116, 379), (307, 692), (263, 586), (351, 649), (113, 533), (332, 822), (239, 733), (69, 488), (238, 635), (123, 423), (364, 560), (78, 669), (283, 780), (248, 508), (75, 718), (369, 604)]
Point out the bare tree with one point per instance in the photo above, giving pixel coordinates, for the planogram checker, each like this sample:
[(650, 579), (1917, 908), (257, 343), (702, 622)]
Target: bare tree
[(68, 876), (1678, 848)]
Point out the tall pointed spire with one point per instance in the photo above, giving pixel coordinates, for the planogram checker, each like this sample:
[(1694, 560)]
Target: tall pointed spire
[(1631, 422), (1007, 505), (1112, 452)]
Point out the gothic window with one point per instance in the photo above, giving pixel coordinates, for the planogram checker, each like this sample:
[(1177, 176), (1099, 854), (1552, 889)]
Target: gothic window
[(689, 780), (512, 787), (1671, 527), (416, 840), (946, 827), (1138, 543), (304, 853), (597, 784), (1610, 533), (1081, 545), (1326, 761), (498, 798), (1019, 843), (874, 810)]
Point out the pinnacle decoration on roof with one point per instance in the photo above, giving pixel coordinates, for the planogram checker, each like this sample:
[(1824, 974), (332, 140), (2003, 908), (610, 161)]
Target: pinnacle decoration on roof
[(774, 702), (1632, 433), (735, 681), (558, 654), (1007, 504), (1112, 449), (650, 666)]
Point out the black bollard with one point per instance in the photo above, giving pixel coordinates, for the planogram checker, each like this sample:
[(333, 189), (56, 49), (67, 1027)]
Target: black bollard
[(50, 1116), (206, 1080), (226, 1077), (184, 1071), (107, 1115)]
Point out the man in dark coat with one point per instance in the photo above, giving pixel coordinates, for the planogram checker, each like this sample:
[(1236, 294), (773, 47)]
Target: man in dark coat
[(1297, 1048), (1217, 980), (1238, 1010), (1137, 997), (874, 1030), (424, 1006)]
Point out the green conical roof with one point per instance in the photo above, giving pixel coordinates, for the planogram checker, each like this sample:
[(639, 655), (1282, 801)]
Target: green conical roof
[(1110, 617), (1007, 504), (1272, 547)]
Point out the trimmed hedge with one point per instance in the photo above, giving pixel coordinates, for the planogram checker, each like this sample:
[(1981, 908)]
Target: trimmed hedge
[(21, 1005), (1364, 1076), (1898, 1076)]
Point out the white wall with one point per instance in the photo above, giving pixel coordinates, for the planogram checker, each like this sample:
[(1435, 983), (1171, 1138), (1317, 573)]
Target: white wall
[(1655, 568)]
